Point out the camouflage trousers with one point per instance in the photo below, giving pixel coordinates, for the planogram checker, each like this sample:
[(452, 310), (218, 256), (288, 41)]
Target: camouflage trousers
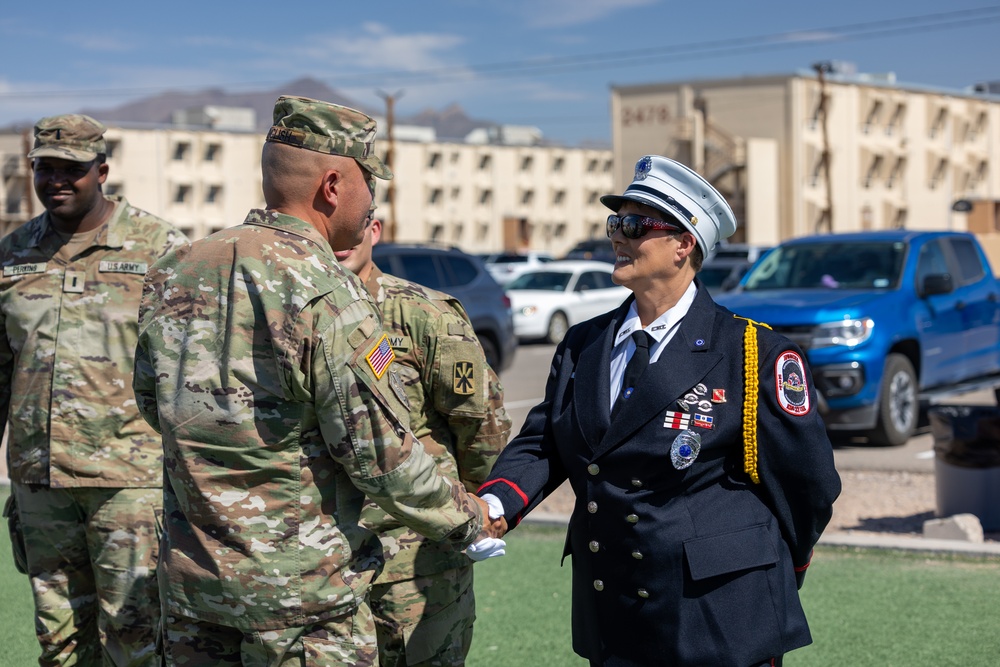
[(425, 621), (342, 640), (91, 555)]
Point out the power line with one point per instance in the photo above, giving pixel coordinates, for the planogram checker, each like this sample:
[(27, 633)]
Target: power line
[(614, 59)]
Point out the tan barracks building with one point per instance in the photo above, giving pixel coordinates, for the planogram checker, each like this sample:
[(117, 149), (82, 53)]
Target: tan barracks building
[(899, 155), (499, 189)]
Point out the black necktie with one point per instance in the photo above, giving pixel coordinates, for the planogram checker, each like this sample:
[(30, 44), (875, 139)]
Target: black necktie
[(633, 371)]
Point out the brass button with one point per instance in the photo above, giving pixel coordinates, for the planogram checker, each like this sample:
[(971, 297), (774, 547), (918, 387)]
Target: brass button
[(595, 546), (637, 483), (643, 593), (593, 469), (598, 585), (632, 518), (592, 507), (637, 555)]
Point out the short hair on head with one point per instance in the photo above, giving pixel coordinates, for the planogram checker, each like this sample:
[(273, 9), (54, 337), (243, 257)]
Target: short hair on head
[(290, 174)]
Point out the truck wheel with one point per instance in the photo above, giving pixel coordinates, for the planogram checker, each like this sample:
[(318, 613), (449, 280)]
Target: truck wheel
[(558, 326), (898, 408)]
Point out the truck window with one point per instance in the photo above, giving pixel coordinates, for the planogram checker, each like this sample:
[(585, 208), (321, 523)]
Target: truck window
[(969, 265), (931, 262)]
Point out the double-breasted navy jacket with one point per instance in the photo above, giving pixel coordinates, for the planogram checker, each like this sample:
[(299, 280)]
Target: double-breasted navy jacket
[(692, 566)]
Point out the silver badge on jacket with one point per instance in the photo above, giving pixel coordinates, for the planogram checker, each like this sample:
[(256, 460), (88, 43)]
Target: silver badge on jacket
[(684, 449)]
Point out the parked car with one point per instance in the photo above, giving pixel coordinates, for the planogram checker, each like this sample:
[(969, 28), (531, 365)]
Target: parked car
[(598, 249), (722, 275), (549, 300), (463, 276), (505, 266), (890, 321)]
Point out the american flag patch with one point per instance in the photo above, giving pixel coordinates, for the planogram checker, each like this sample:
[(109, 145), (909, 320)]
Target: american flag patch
[(679, 420), (380, 357), (704, 421)]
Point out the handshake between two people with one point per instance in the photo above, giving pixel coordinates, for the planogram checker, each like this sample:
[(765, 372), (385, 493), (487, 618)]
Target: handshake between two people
[(488, 544)]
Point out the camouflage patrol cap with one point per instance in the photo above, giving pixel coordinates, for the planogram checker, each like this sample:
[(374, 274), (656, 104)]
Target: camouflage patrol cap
[(327, 128), (69, 137)]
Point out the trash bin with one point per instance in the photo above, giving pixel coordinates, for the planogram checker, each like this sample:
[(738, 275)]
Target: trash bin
[(967, 461)]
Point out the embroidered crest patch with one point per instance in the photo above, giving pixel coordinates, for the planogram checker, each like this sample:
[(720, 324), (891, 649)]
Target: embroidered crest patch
[(790, 381), (464, 378)]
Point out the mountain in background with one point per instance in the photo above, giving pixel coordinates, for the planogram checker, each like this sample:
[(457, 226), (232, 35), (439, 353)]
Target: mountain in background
[(449, 123)]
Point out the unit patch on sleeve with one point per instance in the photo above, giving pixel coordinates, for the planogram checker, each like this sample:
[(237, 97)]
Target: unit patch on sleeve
[(790, 384), (380, 356), (464, 378)]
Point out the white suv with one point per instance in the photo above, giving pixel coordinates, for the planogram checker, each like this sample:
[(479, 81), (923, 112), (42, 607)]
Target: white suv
[(506, 266)]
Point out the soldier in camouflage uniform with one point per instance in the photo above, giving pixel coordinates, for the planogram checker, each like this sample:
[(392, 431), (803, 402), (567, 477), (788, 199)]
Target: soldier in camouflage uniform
[(423, 600), (264, 365), (86, 470)]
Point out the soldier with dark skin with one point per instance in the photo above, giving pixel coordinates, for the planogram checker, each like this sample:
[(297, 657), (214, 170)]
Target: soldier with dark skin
[(423, 599), (264, 364), (86, 470)]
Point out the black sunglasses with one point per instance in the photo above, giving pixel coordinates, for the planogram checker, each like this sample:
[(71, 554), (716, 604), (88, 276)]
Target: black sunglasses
[(635, 226)]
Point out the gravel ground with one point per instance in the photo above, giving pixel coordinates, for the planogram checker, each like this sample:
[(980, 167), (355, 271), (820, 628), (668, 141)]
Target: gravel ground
[(892, 503)]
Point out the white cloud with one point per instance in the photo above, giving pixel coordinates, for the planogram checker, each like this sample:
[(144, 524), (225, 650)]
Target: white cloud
[(564, 13)]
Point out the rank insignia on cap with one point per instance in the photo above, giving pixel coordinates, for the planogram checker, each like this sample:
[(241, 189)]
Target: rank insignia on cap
[(380, 356), (679, 420), (464, 379), (718, 395), (642, 168), (704, 421)]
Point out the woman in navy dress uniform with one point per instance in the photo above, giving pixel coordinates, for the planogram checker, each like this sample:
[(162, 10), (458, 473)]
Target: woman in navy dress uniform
[(703, 474)]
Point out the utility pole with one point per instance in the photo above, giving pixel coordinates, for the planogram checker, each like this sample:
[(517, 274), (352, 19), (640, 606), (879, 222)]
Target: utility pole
[(390, 101), (826, 219)]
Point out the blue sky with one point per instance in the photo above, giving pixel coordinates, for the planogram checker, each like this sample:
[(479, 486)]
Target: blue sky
[(548, 63)]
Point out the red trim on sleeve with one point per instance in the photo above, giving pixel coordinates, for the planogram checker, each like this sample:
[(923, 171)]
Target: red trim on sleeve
[(517, 489), (803, 568)]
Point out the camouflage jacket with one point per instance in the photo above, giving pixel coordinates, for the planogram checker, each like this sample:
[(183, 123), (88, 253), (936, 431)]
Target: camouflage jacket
[(67, 341), (263, 364), (456, 409)]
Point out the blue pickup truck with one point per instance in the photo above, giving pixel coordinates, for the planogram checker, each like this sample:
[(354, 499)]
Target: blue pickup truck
[(890, 321)]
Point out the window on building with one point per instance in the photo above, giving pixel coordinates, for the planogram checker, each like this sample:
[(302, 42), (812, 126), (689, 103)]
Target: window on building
[(181, 149), (455, 157), (527, 162), (593, 197), (214, 194), (939, 122), (896, 173), (872, 117), (456, 192), (527, 197), (485, 161), (434, 160), (558, 163), (592, 165), (435, 196), (114, 147), (895, 122), (437, 233), (874, 167), (938, 172), (558, 197), (181, 194), (560, 230), (485, 196), (608, 165), (213, 152)]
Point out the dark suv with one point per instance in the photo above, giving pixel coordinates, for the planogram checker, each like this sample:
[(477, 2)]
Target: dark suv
[(463, 276), (598, 249)]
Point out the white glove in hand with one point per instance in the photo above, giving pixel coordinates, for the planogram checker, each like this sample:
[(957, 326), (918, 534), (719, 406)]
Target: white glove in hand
[(488, 547), (496, 507)]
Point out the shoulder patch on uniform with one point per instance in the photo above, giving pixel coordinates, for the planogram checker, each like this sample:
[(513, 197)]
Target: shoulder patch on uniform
[(380, 356), (790, 384), (464, 378), (455, 329)]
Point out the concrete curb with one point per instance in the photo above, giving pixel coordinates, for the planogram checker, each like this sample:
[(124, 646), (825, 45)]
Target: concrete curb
[(849, 539)]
